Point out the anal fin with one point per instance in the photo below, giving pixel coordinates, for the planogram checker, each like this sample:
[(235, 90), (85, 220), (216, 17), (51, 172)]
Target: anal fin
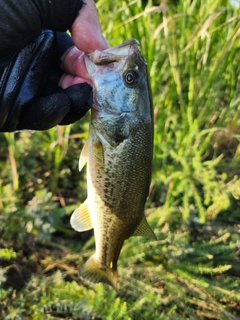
[(144, 230)]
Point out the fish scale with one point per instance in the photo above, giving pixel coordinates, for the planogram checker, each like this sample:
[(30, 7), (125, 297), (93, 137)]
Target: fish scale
[(118, 154), (121, 179)]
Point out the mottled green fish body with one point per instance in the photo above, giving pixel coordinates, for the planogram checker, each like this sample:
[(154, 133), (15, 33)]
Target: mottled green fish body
[(118, 155)]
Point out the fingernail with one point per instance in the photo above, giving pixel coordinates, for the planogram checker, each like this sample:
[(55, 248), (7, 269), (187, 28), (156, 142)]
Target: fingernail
[(104, 41)]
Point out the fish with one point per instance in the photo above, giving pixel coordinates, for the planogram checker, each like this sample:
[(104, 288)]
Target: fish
[(118, 153)]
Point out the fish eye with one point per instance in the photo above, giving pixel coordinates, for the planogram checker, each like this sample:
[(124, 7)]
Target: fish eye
[(131, 78)]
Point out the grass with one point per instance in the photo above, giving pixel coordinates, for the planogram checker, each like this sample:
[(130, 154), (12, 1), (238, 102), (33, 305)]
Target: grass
[(192, 270)]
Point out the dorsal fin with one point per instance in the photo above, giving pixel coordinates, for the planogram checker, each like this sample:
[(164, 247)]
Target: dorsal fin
[(144, 230), (81, 219), (83, 156)]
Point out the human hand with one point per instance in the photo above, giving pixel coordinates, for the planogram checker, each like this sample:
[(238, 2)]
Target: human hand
[(86, 26), (30, 97)]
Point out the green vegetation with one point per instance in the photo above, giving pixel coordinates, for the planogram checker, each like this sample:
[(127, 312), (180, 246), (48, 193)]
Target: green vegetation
[(193, 270)]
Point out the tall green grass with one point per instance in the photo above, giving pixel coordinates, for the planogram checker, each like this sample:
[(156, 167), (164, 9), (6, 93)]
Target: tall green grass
[(192, 270)]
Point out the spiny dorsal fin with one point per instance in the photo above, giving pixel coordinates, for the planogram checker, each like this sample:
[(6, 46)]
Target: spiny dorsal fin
[(93, 272), (83, 156), (144, 230), (80, 219)]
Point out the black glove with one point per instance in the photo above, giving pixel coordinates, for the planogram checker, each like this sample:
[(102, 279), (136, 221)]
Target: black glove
[(30, 97)]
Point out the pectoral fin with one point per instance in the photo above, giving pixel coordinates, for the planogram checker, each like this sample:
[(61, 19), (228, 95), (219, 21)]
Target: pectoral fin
[(144, 230), (83, 156), (80, 219)]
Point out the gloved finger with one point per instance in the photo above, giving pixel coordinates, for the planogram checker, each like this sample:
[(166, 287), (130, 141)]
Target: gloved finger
[(62, 43), (64, 107), (30, 96), (22, 80), (81, 97), (46, 112)]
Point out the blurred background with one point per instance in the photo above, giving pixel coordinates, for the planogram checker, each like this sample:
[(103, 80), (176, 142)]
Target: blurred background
[(193, 270)]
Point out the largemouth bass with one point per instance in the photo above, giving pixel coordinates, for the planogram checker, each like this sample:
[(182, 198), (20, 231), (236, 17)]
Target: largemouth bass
[(119, 154)]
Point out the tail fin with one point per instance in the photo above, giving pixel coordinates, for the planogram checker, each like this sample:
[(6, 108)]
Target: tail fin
[(92, 272)]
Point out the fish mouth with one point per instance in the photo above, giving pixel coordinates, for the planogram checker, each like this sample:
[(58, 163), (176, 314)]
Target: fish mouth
[(114, 54)]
